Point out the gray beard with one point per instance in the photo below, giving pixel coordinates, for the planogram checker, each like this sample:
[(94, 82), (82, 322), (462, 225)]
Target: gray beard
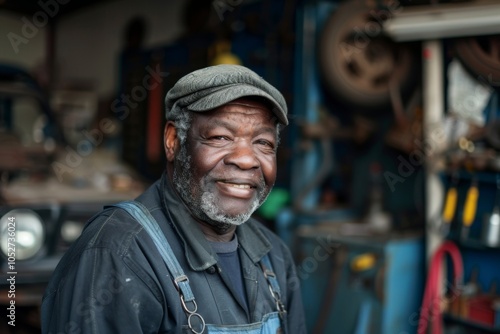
[(202, 203)]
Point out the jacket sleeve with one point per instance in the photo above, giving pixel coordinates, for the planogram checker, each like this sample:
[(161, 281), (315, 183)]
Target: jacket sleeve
[(103, 294)]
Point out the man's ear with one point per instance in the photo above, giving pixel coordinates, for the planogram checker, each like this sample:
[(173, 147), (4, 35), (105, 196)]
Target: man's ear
[(170, 141)]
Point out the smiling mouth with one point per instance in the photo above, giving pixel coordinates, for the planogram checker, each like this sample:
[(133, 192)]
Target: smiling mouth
[(237, 185)]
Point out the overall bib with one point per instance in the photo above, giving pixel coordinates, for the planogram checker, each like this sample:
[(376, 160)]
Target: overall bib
[(270, 323)]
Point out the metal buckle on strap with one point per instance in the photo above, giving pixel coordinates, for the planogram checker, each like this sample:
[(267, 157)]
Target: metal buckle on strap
[(274, 294), (281, 309), (180, 279), (190, 323), (279, 304), (191, 314), (186, 308), (268, 273)]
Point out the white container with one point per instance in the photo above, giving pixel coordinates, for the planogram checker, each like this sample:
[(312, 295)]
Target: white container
[(491, 229)]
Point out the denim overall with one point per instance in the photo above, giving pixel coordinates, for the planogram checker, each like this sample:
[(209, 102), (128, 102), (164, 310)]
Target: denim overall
[(270, 324)]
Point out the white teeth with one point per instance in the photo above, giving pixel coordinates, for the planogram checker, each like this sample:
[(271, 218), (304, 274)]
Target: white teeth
[(240, 186)]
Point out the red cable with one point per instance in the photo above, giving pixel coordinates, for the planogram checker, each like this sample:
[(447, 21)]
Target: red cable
[(431, 304)]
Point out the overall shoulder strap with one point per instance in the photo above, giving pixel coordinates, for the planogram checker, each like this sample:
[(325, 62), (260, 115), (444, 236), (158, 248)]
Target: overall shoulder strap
[(144, 217), (196, 323), (269, 274)]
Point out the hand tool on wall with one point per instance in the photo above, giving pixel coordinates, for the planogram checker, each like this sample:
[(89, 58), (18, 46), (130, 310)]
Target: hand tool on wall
[(470, 208), (450, 206)]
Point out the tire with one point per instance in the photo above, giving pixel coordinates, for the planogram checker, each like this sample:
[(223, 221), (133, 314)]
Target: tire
[(357, 60), (481, 57)]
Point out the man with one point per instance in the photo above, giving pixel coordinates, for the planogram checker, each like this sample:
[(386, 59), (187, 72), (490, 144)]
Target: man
[(218, 271)]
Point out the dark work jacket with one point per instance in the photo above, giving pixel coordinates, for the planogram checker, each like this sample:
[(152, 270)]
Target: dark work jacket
[(113, 279)]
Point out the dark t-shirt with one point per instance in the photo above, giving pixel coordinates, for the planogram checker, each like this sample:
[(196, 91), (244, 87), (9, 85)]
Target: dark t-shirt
[(229, 262)]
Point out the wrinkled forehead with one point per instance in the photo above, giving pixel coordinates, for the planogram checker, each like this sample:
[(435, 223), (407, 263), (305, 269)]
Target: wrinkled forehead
[(253, 102)]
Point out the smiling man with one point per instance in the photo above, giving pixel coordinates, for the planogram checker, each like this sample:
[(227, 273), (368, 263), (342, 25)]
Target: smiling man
[(186, 256)]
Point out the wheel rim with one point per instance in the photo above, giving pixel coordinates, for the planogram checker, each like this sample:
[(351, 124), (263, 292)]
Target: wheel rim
[(358, 62)]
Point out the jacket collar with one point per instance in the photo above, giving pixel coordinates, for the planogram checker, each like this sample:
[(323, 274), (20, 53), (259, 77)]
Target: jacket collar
[(199, 253)]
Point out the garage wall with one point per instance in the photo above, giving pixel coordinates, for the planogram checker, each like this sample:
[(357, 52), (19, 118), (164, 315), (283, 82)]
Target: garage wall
[(89, 41), (17, 47)]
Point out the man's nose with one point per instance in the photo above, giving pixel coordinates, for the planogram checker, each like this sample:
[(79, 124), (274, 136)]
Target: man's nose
[(242, 155)]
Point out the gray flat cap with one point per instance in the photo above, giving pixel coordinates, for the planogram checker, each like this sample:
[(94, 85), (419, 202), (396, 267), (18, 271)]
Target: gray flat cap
[(214, 86)]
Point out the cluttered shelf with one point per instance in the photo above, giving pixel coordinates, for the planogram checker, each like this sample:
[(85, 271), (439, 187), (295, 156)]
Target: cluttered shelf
[(473, 244), (488, 176), (471, 213), (475, 326)]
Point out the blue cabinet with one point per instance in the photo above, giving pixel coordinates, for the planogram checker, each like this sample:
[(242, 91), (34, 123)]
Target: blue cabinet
[(360, 284)]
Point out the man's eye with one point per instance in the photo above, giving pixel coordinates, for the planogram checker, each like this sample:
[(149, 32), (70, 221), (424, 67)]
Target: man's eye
[(218, 138), (265, 143)]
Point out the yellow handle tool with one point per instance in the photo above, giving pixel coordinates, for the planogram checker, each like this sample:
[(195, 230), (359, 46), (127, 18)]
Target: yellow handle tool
[(470, 205), (450, 205)]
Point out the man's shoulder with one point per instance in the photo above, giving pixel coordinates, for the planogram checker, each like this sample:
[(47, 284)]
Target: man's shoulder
[(115, 237), (114, 227), (110, 228)]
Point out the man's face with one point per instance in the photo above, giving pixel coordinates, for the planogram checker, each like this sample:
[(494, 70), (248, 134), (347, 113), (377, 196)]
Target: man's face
[(228, 165)]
